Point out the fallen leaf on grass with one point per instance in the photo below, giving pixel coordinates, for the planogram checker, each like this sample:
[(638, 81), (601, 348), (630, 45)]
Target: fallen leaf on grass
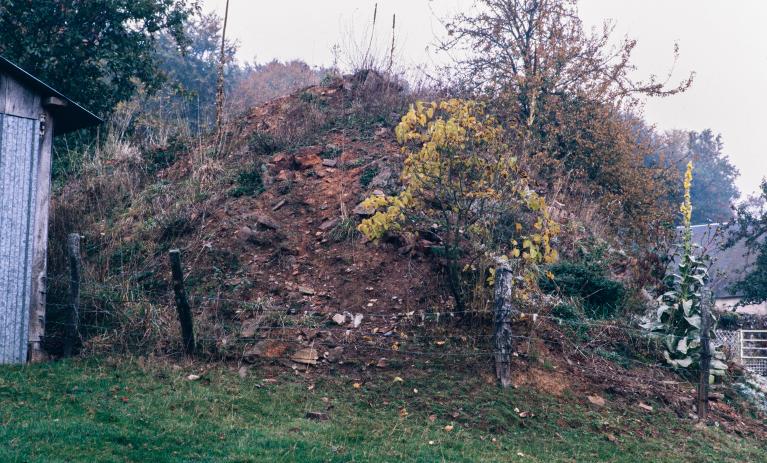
[(596, 400), (316, 416), (645, 407)]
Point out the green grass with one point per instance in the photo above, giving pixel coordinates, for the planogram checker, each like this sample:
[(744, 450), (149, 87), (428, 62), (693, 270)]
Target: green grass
[(94, 411)]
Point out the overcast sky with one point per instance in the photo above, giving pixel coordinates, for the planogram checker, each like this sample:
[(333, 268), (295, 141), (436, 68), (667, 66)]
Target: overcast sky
[(724, 42)]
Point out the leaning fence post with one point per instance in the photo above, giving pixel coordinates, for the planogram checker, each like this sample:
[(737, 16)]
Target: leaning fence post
[(182, 304), (73, 316), (705, 363), (502, 318)]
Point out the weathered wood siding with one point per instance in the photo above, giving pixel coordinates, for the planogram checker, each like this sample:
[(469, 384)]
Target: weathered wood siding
[(40, 242), (19, 138)]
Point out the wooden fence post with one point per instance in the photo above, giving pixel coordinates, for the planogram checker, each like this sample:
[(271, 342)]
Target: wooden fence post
[(705, 363), (502, 318), (73, 316), (182, 304)]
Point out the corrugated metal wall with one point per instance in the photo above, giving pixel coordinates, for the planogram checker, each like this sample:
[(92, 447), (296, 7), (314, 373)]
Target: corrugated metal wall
[(18, 172)]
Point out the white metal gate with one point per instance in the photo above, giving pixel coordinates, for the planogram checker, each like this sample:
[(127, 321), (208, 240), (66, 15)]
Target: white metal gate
[(753, 350), (746, 347)]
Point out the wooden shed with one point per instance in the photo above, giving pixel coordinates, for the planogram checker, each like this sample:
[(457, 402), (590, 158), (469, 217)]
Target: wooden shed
[(31, 114)]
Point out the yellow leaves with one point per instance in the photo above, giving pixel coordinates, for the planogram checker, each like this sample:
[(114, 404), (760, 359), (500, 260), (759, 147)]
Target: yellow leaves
[(686, 207), (459, 179)]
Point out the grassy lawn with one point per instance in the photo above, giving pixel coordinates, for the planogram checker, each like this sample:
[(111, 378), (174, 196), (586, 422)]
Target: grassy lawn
[(91, 411)]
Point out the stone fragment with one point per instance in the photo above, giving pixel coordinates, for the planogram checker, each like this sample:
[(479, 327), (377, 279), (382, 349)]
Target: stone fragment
[(328, 224), (335, 354), (268, 349), (305, 290), (308, 160), (306, 356), (361, 209)]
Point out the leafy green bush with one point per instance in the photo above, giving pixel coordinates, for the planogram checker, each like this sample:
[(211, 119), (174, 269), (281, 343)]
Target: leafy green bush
[(566, 311), (601, 296), (264, 143), (330, 152), (368, 175), (162, 157), (728, 321), (249, 183)]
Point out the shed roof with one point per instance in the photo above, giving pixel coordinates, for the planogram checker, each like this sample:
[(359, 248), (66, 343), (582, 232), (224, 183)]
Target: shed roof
[(69, 117)]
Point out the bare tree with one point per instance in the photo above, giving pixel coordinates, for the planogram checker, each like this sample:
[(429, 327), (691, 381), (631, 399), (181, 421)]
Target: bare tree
[(526, 50)]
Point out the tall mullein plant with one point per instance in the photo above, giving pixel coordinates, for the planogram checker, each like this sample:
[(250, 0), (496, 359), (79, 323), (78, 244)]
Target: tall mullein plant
[(678, 318)]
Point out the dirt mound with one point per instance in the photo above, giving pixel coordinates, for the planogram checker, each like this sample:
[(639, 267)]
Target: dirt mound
[(278, 275)]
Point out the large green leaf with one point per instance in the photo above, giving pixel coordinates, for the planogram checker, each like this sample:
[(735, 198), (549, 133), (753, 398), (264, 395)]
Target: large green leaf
[(694, 320)]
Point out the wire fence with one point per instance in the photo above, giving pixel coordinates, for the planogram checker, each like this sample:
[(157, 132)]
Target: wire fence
[(126, 315), (425, 335)]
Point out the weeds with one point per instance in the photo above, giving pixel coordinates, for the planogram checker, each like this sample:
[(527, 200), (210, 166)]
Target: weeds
[(368, 175), (249, 183), (330, 152), (264, 143)]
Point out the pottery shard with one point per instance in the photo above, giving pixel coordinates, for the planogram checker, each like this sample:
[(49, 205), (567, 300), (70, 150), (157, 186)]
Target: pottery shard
[(306, 356)]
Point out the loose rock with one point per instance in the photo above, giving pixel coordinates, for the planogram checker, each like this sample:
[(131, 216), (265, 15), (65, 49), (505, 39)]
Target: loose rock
[(335, 354), (306, 356)]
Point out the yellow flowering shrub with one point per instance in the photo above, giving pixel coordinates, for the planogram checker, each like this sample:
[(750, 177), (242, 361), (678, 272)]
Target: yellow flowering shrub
[(462, 185)]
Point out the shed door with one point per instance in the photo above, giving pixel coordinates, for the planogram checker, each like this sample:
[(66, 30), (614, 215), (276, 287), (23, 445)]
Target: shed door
[(18, 172)]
